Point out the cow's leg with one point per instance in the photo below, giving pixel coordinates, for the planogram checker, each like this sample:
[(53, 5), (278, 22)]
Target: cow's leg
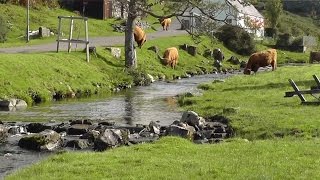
[(274, 65), (255, 68)]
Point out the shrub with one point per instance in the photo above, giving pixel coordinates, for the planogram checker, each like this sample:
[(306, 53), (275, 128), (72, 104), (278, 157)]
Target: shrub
[(284, 40), (236, 39), (3, 1), (35, 3), (3, 30)]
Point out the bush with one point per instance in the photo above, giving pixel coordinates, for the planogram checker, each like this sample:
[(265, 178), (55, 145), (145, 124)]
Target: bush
[(35, 3), (3, 30), (3, 1), (284, 40), (236, 39)]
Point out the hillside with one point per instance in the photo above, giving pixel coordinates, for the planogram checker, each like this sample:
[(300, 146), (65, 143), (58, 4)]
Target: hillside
[(15, 16)]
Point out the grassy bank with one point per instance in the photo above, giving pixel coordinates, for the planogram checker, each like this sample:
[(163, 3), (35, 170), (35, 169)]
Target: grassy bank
[(175, 158), (36, 77), (263, 112), (39, 76), (283, 138)]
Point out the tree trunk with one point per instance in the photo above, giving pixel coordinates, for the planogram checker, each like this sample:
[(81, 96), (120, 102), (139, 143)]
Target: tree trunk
[(130, 54)]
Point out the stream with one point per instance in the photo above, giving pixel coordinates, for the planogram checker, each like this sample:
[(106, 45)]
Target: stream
[(138, 105)]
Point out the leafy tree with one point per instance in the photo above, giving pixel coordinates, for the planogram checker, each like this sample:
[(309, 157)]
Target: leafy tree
[(274, 9), (171, 8), (236, 39)]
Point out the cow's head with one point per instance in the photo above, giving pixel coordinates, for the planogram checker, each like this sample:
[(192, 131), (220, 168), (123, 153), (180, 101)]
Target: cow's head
[(247, 71)]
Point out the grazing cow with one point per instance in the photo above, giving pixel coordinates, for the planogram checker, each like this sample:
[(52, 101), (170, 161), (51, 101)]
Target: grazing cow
[(139, 36), (314, 56), (261, 59), (165, 23), (170, 57)]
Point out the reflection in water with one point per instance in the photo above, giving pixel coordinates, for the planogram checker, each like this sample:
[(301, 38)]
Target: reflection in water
[(171, 102), (138, 105), (128, 108)]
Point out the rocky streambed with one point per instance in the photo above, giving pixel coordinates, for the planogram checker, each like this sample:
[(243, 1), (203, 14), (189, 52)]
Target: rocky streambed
[(37, 140)]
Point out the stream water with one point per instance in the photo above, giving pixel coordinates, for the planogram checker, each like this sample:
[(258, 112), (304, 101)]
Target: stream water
[(138, 105)]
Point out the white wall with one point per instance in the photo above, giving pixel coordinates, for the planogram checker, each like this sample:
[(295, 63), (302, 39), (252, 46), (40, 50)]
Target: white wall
[(235, 18)]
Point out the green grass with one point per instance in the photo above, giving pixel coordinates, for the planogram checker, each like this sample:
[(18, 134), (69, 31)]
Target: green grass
[(175, 158), (26, 75), (263, 110), (298, 25), (42, 16), (46, 73)]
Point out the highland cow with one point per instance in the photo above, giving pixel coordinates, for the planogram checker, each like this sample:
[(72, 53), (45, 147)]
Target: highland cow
[(170, 57), (165, 23), (139, 36), (261, 59)]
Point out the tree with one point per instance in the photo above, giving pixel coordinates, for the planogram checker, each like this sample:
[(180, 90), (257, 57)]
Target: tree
[(135, 8), (273, 12)]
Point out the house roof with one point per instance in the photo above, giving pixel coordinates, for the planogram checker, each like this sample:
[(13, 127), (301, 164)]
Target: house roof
[(248, 9)]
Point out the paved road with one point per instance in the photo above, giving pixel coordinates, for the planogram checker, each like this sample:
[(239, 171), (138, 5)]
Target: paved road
[(95, 41)]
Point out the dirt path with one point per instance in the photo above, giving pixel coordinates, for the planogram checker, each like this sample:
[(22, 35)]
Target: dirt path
[(95, 41)]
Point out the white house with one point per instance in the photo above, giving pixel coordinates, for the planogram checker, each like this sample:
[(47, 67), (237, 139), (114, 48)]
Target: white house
[(234, 12)]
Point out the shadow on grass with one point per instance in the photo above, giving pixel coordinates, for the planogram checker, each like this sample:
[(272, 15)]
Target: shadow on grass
[(107, 61)]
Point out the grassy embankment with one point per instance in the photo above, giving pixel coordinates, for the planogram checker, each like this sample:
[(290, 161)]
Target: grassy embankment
[(30, 76), (283, 139), (38, 76)]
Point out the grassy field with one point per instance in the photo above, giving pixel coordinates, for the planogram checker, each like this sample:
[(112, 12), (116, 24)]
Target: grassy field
[(17, 21), (28, 75), (175, 158), (263, 111)]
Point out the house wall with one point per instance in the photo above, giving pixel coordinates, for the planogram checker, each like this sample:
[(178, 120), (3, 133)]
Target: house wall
[(231, 15), (100, 9)]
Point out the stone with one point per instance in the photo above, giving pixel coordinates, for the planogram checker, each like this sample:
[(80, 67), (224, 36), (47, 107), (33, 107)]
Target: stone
[(72, 122), (192, 50), (154, 127), (234, 60), (17, 103), (115, 52), (106, 123), (36, 127), (78, 129), (47, 140), (17, 130), (150, 78), (111, 138), (3, 133), (136, 138), (91, 136), (44, 32), (184, 47), (192, 119), (78, 143), (184, 131)]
